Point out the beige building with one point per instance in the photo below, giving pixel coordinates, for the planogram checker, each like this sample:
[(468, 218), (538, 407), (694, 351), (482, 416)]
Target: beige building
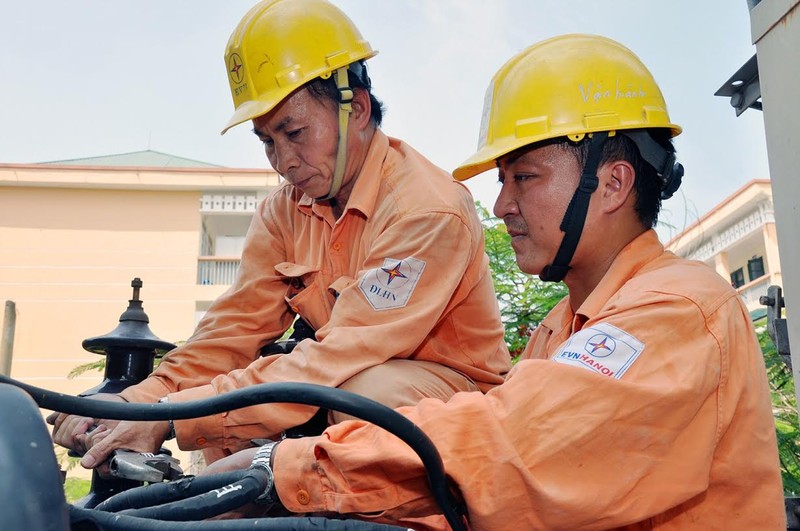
[(74, 234), (738, 239)]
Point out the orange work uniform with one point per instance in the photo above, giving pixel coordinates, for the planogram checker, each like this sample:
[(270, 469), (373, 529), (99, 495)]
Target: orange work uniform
[(648, 407), (401, 274)]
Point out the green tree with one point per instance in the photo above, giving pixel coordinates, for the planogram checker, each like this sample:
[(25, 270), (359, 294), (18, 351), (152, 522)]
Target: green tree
[(784, 409), (524, 299)]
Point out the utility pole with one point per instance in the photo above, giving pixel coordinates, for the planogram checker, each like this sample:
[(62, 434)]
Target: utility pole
[(7, 340)]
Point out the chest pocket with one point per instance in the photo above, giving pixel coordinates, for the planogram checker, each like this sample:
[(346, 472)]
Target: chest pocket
[(306, 294)]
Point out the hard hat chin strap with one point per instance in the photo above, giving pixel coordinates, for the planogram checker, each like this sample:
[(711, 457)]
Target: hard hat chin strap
[(345, 108), (575, 216)]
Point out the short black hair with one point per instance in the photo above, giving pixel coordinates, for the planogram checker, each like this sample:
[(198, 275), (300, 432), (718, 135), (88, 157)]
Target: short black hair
[(647, 182), (359, 80)]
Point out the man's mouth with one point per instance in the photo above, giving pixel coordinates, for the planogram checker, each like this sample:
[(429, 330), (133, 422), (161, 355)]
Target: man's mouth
[(302, 183), (513, 232)]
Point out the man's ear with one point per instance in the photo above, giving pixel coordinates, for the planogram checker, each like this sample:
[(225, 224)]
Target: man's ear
[(362, 108), (617, 185)]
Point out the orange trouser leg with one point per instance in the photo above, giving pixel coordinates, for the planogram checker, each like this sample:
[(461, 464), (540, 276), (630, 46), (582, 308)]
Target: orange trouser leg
[(397, 383)]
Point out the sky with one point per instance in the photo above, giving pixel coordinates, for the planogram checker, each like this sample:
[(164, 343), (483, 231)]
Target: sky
[(88, 78)]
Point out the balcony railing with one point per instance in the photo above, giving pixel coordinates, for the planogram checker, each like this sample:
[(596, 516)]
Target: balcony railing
[(754, 289), (721, 241), (217, 270), (228, 203)]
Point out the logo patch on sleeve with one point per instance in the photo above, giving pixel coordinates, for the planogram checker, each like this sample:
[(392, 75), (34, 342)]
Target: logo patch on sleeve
[(602, 348), (391, 286)]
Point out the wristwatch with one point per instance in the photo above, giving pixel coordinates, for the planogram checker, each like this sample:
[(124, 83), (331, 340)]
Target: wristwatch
[(263, 460), (171, 434)]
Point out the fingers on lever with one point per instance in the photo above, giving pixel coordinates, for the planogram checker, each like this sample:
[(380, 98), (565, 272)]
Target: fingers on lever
[(92, 457)]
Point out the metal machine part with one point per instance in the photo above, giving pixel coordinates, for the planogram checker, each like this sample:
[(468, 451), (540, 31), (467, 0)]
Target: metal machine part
[(777, 327), (144, 466)]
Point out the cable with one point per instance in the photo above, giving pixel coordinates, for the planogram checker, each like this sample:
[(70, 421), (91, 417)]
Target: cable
[(168, 491), (116, 522), (297, 393), (209, 504)]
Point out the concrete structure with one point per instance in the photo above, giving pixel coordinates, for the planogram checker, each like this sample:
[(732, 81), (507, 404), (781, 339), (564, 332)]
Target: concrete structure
[(768, 81), (738, 239), (775, 30), (74, 234)]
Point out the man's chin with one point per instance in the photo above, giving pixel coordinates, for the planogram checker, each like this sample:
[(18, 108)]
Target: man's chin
[(527, 267), (317, 192)]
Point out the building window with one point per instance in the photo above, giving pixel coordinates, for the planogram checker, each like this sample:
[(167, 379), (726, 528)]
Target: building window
[(755, 267), (737, 278)]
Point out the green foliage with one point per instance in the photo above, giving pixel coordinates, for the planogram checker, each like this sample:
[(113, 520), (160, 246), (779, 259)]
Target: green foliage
[(65, 461), (76, 488), (97, 365), (784, 409), (524, 299)]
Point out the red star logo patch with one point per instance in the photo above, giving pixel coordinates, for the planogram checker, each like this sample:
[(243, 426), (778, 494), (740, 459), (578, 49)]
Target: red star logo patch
[(599, 345), (393, 273), (234, 67)]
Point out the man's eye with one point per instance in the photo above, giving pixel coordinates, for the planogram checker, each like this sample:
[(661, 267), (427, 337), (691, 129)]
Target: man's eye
[(294, 133), (519, 177), (267, 142)]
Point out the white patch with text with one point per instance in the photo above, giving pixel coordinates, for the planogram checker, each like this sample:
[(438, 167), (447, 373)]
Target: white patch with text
[(602, 348), (391, 286)]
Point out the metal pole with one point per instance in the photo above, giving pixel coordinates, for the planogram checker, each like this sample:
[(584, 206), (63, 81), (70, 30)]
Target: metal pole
[(7, 341)]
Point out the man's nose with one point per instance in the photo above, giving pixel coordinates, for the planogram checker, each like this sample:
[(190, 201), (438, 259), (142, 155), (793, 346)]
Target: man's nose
[(505, 204), (285, 159)]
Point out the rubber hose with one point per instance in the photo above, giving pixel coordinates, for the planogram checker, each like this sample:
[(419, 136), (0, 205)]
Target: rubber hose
[(208, 504), (117, 522), (179, 489)]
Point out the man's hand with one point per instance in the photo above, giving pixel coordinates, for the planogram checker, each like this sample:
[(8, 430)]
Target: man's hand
[(238, 461), (70, 431), (127, 435)]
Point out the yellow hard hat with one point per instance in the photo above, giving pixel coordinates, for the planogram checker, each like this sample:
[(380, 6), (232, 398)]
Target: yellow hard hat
[(280, 45), (567, 86)]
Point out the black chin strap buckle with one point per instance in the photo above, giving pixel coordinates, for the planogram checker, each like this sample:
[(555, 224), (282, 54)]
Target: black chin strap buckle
[(672, 176), (670, 172), (553, 273)]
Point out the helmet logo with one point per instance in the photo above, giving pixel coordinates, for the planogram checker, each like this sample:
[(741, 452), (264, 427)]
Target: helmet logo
[(595, 93), (235, 67)]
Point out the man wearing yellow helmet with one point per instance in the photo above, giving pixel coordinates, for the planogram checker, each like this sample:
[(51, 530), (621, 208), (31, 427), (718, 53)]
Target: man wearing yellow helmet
[(378, 250), (641, 401)]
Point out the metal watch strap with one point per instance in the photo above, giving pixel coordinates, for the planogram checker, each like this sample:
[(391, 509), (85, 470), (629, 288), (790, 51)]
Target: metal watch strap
[(263, 460), (171, 435)]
